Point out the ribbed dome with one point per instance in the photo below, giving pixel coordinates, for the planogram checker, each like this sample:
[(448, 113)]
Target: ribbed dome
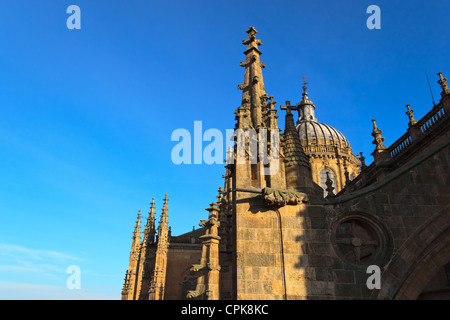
[(313, 132)]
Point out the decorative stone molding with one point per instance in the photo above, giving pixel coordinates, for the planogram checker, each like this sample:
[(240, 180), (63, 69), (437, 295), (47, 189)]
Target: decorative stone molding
[(281, 198)]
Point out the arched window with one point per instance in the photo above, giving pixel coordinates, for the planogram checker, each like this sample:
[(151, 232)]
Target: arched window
[(323, 179)]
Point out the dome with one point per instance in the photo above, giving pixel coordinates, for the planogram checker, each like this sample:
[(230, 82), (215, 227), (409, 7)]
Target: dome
[(313, 132)]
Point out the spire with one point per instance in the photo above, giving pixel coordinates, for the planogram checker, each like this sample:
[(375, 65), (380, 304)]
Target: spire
[(137, 230), (164, 211), (163, 227), (129, 290), (253, 88), (150, 229), (292, 148), (306, 107), (297, 166), (126, 285), (157, 284)]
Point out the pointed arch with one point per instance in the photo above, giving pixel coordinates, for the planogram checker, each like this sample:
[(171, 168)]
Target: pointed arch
[(418, 259)]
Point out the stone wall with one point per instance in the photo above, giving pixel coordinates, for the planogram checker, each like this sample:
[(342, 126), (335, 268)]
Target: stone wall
[(321, 250), (180, 258), (410, 210)]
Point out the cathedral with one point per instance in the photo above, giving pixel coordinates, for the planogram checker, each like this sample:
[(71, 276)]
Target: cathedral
[(322, 225)]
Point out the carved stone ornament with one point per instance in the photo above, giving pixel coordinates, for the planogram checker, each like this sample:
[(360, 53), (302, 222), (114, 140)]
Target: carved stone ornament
[(279, 197), (333, 214), (359, 241)]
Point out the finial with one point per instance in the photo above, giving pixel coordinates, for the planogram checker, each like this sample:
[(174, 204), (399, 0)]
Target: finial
[(362, 160), (164, 209), (304, 86), (138, 221), (149, 231), (251, 41), (137, 228), (251, 31), (271, 104), (374, 124), (443, 82), (152, 204), (376, 133), (410, 114)]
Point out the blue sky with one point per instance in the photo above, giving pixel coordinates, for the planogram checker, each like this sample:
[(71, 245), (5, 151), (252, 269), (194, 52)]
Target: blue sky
[(86, 115)]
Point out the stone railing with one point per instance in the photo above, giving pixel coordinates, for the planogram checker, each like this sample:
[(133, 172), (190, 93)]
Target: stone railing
[(422, 127), (431, 119), (401, 144), (416, 132)]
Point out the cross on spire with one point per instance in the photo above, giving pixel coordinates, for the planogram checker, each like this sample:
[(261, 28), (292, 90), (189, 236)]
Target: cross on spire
[(288, 107), (252, 42)]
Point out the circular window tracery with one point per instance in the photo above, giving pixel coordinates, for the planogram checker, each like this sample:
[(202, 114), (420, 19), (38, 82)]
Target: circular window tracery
[(359, 241)]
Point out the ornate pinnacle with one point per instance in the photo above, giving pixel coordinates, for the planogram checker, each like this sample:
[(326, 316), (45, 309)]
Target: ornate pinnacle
[(362, 160), (149, 232), (164, 209), (443, 82), (136, 235), (251, 31), (163, 228), (410, 114), (152, 205), (137, 228), (212, 207), (220, 195), (376, 133), (252, 42), (251, 35)]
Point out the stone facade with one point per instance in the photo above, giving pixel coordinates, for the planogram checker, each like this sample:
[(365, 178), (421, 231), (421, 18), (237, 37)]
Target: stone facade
[(311, 228)]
